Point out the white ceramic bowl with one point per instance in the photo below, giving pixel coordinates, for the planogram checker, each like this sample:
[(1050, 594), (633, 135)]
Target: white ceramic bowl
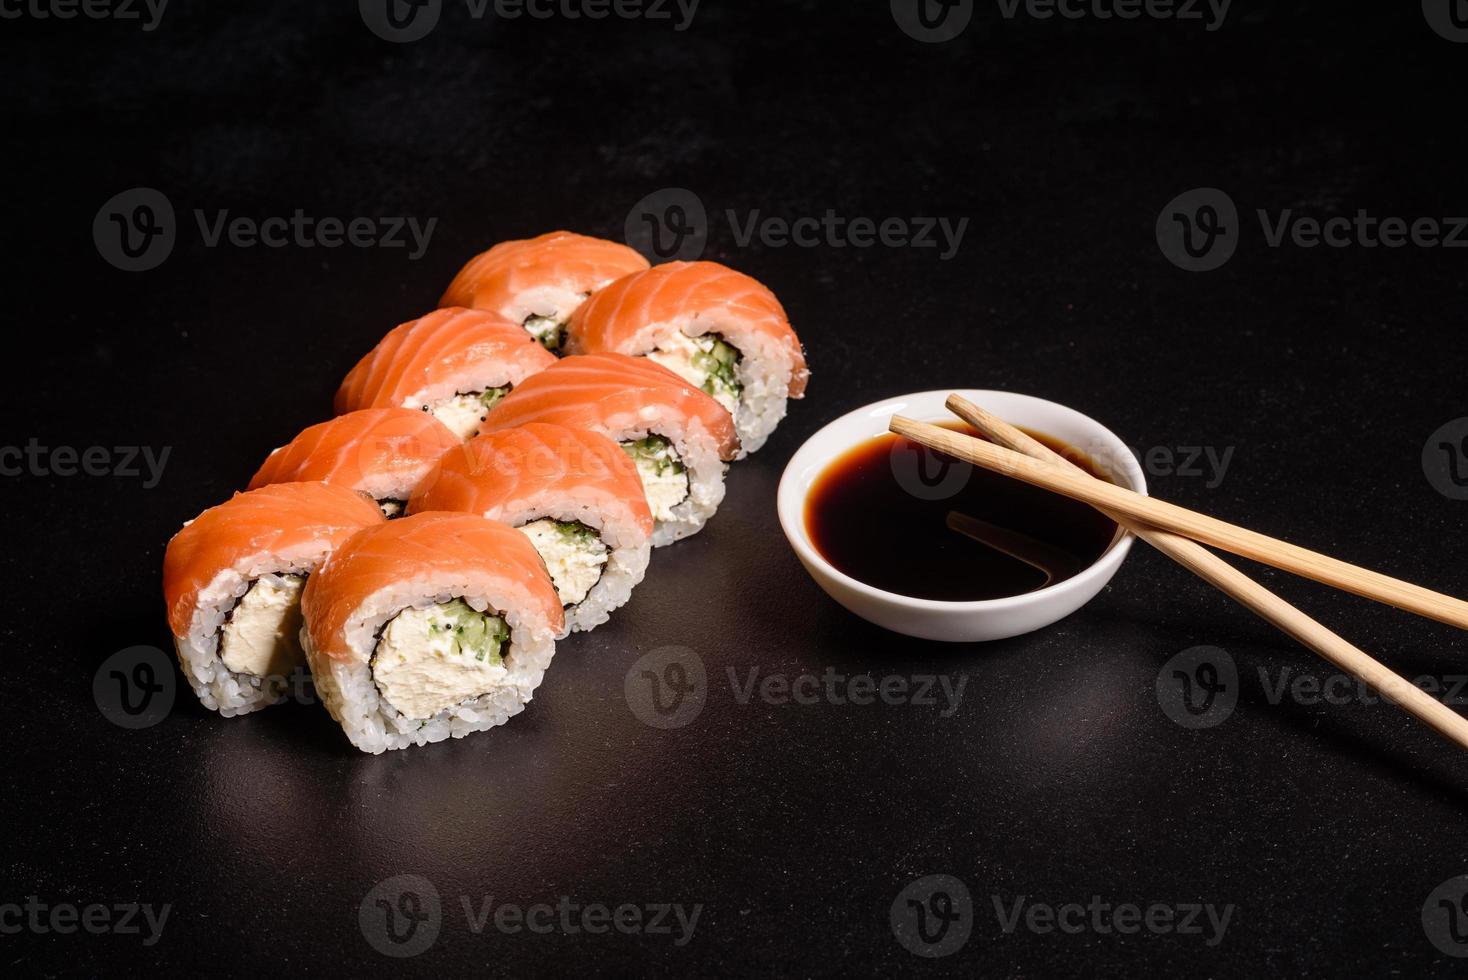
[(989, 619)]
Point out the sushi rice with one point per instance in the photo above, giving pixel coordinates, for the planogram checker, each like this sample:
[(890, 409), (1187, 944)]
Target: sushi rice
[(429, 627), (372, 723), (232, 579)]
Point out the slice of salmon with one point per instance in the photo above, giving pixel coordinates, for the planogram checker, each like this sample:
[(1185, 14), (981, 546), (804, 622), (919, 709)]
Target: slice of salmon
[(701, 294), (547, 276), (377, 451), (486, 556), (281, 518), (447, 352), (499, 472), (613, 393)]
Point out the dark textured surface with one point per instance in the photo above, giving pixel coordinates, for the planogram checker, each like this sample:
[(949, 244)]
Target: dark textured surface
[(793, 826)]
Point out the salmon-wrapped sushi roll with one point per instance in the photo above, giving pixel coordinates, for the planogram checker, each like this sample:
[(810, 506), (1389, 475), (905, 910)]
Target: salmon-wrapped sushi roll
[(539, 282), (572, 492), (677, 435), (432, 626), (718, 328), (232, 579), (453, 364), (382, 452)]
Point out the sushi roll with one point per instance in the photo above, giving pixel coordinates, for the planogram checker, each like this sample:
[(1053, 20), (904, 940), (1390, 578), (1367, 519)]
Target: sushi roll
[(232, 579), (718, 328), (432, 626), (382, 452), (572, 492), (453, 364), (539, 282), (677, 436)]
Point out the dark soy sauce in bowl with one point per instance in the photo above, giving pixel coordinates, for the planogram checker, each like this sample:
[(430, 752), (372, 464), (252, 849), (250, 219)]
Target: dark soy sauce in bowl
[(907, 519)]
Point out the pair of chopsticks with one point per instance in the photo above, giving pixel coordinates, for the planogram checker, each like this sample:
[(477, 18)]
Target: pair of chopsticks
[(1177, 532)]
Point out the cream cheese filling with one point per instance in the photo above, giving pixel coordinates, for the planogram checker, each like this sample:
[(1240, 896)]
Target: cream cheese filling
[(434, 658), (261, 636), (573, 553)]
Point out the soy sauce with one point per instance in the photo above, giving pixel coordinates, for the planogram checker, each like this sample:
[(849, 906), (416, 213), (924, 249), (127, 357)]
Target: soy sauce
[(908, 519)]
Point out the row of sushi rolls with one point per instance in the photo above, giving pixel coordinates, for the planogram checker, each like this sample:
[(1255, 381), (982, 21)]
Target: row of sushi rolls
[(495, 477)]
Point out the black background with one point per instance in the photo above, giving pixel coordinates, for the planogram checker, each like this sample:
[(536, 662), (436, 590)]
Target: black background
[(795, 827)]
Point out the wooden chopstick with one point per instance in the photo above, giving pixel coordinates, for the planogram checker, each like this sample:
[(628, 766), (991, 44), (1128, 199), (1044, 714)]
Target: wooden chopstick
[(1234, 583), (1191, 524)]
